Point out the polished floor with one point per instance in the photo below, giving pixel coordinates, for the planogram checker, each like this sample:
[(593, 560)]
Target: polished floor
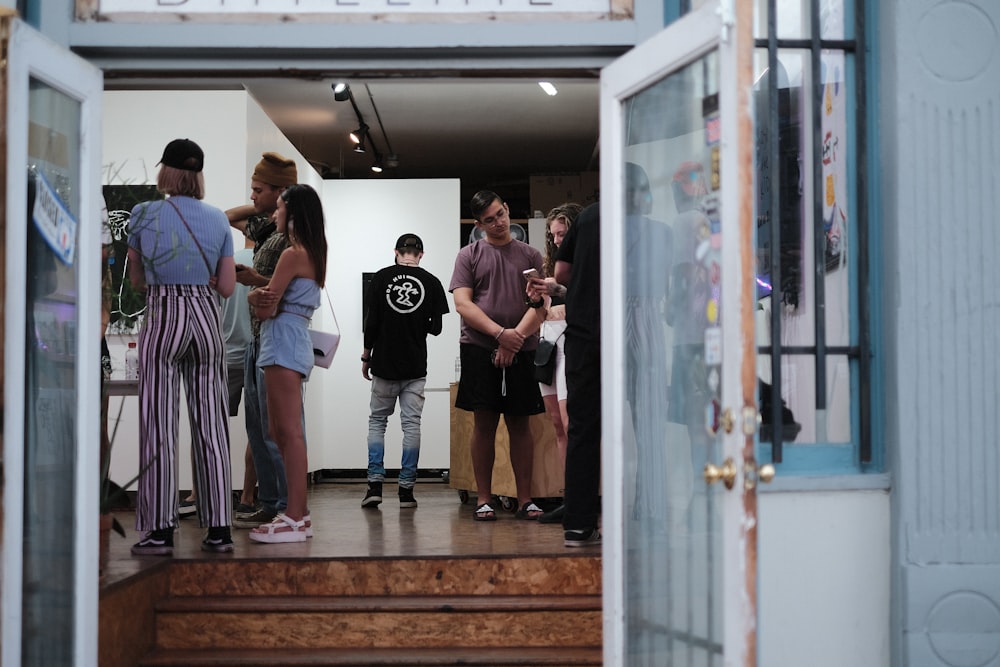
[(440, 526)]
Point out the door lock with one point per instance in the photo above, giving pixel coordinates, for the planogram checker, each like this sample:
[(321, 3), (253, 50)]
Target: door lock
[(727, 420), (755, 473), (726, 473)]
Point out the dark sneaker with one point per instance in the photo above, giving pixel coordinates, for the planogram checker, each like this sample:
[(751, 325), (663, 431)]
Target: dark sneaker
[(188, 508), (219, 540), (242, 509), (258, 518), (582, 538), (374, 495), (553, 516), (406, 498), (155, 543)]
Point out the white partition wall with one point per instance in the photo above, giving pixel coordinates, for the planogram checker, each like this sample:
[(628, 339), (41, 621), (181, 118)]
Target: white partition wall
[(233, 131), (364, 219)]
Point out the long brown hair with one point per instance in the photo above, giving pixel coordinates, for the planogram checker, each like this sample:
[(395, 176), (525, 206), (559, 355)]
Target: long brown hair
[(306, 226), (567, 213)]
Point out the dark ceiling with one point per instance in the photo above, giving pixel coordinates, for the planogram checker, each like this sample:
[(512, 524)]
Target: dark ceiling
[(489, 132)]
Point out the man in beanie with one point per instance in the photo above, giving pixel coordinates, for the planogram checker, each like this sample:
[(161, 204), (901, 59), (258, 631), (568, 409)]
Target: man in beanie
[(270, 177), (405, 303)]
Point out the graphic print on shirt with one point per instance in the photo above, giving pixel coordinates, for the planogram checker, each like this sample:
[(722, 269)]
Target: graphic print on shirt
[(405, 293)]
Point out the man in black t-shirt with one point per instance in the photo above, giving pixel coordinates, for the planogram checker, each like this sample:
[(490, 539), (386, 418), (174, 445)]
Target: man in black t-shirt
[(406, 303)]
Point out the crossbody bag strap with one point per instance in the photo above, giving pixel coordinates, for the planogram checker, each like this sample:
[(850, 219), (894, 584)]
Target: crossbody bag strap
[(332, 311), (211, 271)]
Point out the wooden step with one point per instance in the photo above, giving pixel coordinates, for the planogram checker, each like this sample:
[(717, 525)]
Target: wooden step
[(334, 623), (366, 657), (506, 575)]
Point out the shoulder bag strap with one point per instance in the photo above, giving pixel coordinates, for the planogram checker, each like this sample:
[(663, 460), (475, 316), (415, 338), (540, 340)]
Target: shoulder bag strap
[(211, 271), (332, 311)]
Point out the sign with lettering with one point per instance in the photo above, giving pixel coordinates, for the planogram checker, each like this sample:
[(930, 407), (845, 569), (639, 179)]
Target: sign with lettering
[(53, 220), (470, 9)]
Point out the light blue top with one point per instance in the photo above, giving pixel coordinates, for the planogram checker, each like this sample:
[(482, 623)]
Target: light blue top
[(284, 338), (170, 255)]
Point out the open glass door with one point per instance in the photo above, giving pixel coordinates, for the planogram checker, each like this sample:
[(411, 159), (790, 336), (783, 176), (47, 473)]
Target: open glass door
[(51, 389), (678, 346)]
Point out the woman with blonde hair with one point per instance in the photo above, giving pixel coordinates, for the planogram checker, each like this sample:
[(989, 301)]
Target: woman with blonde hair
[(180, 252)]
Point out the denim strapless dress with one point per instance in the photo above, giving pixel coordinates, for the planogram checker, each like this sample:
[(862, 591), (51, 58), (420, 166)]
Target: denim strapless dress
[(284, 339)]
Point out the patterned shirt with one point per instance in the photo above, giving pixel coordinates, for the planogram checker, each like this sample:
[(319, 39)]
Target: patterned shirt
[(265, 255)]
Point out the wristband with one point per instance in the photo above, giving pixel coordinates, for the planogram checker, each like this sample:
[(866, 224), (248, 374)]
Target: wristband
[(535, 304), (499, 333)]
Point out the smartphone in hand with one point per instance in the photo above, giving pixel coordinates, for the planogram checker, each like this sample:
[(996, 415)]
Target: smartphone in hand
[(530, 273)]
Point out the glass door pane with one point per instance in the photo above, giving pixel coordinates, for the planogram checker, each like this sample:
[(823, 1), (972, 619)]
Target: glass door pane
[(50, 391), (672, 375)]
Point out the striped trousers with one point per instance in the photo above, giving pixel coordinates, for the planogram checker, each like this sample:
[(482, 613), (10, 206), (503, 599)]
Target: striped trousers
[(181, 340)]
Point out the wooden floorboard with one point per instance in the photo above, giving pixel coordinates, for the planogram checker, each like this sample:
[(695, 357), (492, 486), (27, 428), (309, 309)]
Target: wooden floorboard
[(441, 526)]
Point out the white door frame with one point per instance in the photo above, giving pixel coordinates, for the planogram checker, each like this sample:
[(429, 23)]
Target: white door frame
[(725, 26), (33, 56)]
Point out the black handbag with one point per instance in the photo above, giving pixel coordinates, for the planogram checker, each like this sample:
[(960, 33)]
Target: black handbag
[(545, 360)]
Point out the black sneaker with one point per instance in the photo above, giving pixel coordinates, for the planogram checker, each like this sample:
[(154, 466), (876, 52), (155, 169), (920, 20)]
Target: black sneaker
[(219, 540), (242, 509), (155, 543), (258, 518), (187, 508), (374, 495), (553, 516), (582, 538), (406, 498)]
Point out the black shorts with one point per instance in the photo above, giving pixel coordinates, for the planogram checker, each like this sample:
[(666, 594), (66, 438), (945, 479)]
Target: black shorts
[(483, 386)]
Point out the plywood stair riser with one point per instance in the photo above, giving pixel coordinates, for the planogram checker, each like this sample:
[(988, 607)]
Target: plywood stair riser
[(409, 611), (520, 657), (566, 575), (535, 621)]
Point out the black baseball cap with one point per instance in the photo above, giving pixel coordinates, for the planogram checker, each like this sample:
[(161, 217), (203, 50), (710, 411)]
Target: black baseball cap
[(183, 154), (410, 241)]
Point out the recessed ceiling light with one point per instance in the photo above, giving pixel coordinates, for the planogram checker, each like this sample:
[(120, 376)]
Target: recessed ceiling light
[(548, 87)]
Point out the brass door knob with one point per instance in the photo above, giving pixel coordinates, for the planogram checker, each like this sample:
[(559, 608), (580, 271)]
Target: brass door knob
[(726, 473), (766, 473)]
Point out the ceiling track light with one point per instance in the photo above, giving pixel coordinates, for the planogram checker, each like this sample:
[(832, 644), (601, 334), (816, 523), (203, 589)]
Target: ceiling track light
[(392, 160), (358, 135), (342, 93)]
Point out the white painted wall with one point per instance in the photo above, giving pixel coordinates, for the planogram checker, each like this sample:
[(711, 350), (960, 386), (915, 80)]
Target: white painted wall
[(364, 219), (824, 579), (233, 131)]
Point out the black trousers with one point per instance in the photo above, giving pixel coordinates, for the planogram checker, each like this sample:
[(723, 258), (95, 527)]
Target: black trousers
[(583, 451)]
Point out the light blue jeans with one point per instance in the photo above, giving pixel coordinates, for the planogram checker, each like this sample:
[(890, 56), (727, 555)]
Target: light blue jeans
[(272, 491), (410, 394)]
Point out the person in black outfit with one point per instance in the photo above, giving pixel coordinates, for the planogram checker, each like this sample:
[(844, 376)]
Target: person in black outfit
[(578, 266), (406, 304)]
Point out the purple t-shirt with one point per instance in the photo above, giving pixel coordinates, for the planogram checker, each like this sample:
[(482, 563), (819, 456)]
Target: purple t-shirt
[(495, 274)]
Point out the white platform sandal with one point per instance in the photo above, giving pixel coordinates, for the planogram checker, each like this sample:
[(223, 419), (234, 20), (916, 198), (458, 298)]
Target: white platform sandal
[(282, 530)]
